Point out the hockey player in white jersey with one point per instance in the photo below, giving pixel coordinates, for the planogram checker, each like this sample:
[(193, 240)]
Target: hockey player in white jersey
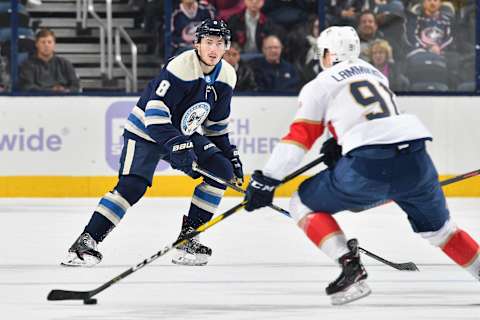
[(380, 156)]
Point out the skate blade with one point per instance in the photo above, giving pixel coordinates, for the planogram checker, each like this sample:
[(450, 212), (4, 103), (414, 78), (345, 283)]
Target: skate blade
[(73, 260), (187, 259), (354, 292)]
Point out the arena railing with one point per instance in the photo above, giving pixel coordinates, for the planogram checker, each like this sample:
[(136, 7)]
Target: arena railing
[(131, 82)]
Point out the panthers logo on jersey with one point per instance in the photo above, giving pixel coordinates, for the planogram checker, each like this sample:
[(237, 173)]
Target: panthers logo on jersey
[(194, 117)]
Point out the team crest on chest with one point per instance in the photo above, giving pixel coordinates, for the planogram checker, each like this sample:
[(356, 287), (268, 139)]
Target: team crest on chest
[(194, 117)]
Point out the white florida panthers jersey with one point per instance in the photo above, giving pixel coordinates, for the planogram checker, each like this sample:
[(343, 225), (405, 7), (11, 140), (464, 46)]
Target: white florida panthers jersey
[(352, 100)]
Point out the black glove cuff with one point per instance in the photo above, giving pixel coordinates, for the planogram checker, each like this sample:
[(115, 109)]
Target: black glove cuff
[(265, 179)]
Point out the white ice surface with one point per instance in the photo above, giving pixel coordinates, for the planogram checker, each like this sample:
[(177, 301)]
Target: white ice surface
[(262, 267)]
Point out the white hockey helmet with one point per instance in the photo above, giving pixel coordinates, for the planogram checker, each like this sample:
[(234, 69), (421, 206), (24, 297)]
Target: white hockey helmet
[(341, 42)]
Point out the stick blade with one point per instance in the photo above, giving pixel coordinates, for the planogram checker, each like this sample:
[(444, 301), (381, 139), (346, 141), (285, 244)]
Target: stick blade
[(55, 295), (408, 266)]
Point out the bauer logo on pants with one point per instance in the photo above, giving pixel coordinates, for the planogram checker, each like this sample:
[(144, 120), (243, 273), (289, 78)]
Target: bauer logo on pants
[(115, 118)]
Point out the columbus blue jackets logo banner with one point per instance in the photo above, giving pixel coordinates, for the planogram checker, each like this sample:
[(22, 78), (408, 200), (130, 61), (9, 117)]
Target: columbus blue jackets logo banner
[(194, 117)]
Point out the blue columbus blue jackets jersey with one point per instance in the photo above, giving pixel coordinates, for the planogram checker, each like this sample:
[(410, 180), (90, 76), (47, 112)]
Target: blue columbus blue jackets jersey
[(182, 100)]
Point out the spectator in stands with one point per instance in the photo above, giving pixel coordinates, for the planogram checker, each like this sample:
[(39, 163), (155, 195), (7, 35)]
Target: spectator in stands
[(310, 66), (272, 73), (185, 20), (245, 76), (390, 19), (367, 32), (431, 28), (313, 31), (227, 8), (432, 63), (343, 12), (250, 27), (4, 78), (381, 57), (45, 71)]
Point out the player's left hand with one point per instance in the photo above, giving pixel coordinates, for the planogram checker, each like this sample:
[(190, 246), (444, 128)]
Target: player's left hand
[(260, 191), (234, 157)]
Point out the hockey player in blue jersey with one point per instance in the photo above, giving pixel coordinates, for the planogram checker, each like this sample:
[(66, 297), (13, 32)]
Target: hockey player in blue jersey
[(192, 92)]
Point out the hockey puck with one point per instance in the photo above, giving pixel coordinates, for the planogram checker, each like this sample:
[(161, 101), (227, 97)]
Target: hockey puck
[(90, 301)]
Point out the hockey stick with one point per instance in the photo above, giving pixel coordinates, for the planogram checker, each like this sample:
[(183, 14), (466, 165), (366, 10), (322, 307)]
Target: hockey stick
[(407, 266), (443, 183), (207, 174), (86, 296), (460, 177)]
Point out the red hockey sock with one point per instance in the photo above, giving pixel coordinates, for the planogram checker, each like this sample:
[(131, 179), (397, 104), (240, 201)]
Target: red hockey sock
[(322, 229), (462, 249)]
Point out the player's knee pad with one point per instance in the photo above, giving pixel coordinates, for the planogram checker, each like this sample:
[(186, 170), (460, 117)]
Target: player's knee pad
[(219, 166), (132, 188), (440, 237), (297, 209)]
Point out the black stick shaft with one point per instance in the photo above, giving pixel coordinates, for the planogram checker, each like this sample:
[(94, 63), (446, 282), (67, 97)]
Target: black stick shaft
[(461, 177), (303, 169)]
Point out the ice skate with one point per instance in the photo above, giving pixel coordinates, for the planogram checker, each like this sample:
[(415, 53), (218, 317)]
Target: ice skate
[(351, 284), (192, 253), (83, 252)]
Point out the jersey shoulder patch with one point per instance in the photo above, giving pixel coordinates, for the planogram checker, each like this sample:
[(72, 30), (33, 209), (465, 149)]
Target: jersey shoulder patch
[(227, 74), (186, 66)]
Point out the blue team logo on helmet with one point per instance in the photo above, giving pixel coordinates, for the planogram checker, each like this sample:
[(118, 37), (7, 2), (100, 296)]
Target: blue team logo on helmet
[(194, 117), (212, 27)]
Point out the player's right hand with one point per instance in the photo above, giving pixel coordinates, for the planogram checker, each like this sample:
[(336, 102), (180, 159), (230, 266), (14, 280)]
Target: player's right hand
[(181, 154), (260, 191), (332, 152)]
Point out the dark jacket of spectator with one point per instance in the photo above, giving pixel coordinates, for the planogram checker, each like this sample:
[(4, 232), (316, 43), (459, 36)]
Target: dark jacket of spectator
[(281, 77), (343, 12), (286, 13), (239, 29), (227, 8), (38, 75), (245, 77), (184, 24)]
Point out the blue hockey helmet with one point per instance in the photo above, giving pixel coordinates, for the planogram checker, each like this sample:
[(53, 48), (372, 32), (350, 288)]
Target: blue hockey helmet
[(213, 27)]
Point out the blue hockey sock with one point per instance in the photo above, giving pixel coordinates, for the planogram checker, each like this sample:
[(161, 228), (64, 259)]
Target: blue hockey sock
[(205, 201), (99, 226)]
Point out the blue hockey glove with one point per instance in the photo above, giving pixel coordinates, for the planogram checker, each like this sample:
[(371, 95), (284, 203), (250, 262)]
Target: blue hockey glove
[(234, 157), (260, 191), (181, 155), (332, 152)]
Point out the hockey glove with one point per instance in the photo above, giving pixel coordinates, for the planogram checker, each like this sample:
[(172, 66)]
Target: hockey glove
[(260, 191), (234, 157), (181, 155), (332, 152)]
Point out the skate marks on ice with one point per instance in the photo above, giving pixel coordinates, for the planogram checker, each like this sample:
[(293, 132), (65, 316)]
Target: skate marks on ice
[(262, 267), (244, 292)]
